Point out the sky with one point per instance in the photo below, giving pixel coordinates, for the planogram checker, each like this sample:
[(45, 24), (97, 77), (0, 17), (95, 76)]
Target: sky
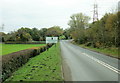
[(15, 14)]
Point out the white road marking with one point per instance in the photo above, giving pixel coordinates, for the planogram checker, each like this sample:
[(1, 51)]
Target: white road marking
[(104, 64)]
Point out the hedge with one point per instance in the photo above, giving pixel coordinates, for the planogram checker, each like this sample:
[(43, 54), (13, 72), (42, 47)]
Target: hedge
[(11, 62), (28, 42)]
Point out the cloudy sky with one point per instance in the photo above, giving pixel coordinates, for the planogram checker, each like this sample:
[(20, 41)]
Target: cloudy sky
[(47, 13)]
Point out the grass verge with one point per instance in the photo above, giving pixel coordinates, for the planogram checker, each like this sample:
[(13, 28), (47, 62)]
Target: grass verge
[(9, 48), (44, 67), (111, 51)]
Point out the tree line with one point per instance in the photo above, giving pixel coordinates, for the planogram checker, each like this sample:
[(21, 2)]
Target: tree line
[(101, 33), (26, 34)]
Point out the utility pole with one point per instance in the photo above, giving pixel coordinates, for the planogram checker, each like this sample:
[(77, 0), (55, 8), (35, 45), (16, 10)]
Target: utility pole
[(95, 12), (2, 27)]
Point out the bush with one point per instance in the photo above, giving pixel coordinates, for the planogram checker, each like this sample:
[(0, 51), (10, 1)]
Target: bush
[(88, 44), (11, 62)]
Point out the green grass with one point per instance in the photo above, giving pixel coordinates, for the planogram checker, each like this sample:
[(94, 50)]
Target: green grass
[(108, 51), (44, 67), (9, 48), (111, 51), (62, 37)]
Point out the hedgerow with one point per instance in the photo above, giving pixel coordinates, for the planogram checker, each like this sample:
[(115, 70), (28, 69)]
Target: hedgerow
[(11, 62)]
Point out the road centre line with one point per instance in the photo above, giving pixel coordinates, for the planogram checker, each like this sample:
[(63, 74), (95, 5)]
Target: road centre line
[(104, 64)]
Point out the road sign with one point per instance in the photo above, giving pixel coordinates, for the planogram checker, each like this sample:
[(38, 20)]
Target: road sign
[(51, 40)]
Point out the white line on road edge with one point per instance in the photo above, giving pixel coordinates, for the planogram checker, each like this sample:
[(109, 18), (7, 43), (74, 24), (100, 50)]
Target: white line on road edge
[(104, 64)]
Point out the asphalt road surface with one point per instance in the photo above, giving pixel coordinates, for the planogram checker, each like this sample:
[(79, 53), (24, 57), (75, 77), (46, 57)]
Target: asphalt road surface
[(80, 64)]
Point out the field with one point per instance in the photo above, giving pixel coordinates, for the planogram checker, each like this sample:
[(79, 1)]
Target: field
[(44, 67), (9, 48)]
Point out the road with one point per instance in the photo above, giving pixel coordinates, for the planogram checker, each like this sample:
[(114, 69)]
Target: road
[(80, 64)]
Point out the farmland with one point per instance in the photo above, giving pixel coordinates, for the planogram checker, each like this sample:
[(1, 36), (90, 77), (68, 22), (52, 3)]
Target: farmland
[(44, 67), (9, 48)]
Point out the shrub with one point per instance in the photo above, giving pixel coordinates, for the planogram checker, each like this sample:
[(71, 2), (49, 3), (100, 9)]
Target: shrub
[(97, 44), (11, 62), (88, 44)]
